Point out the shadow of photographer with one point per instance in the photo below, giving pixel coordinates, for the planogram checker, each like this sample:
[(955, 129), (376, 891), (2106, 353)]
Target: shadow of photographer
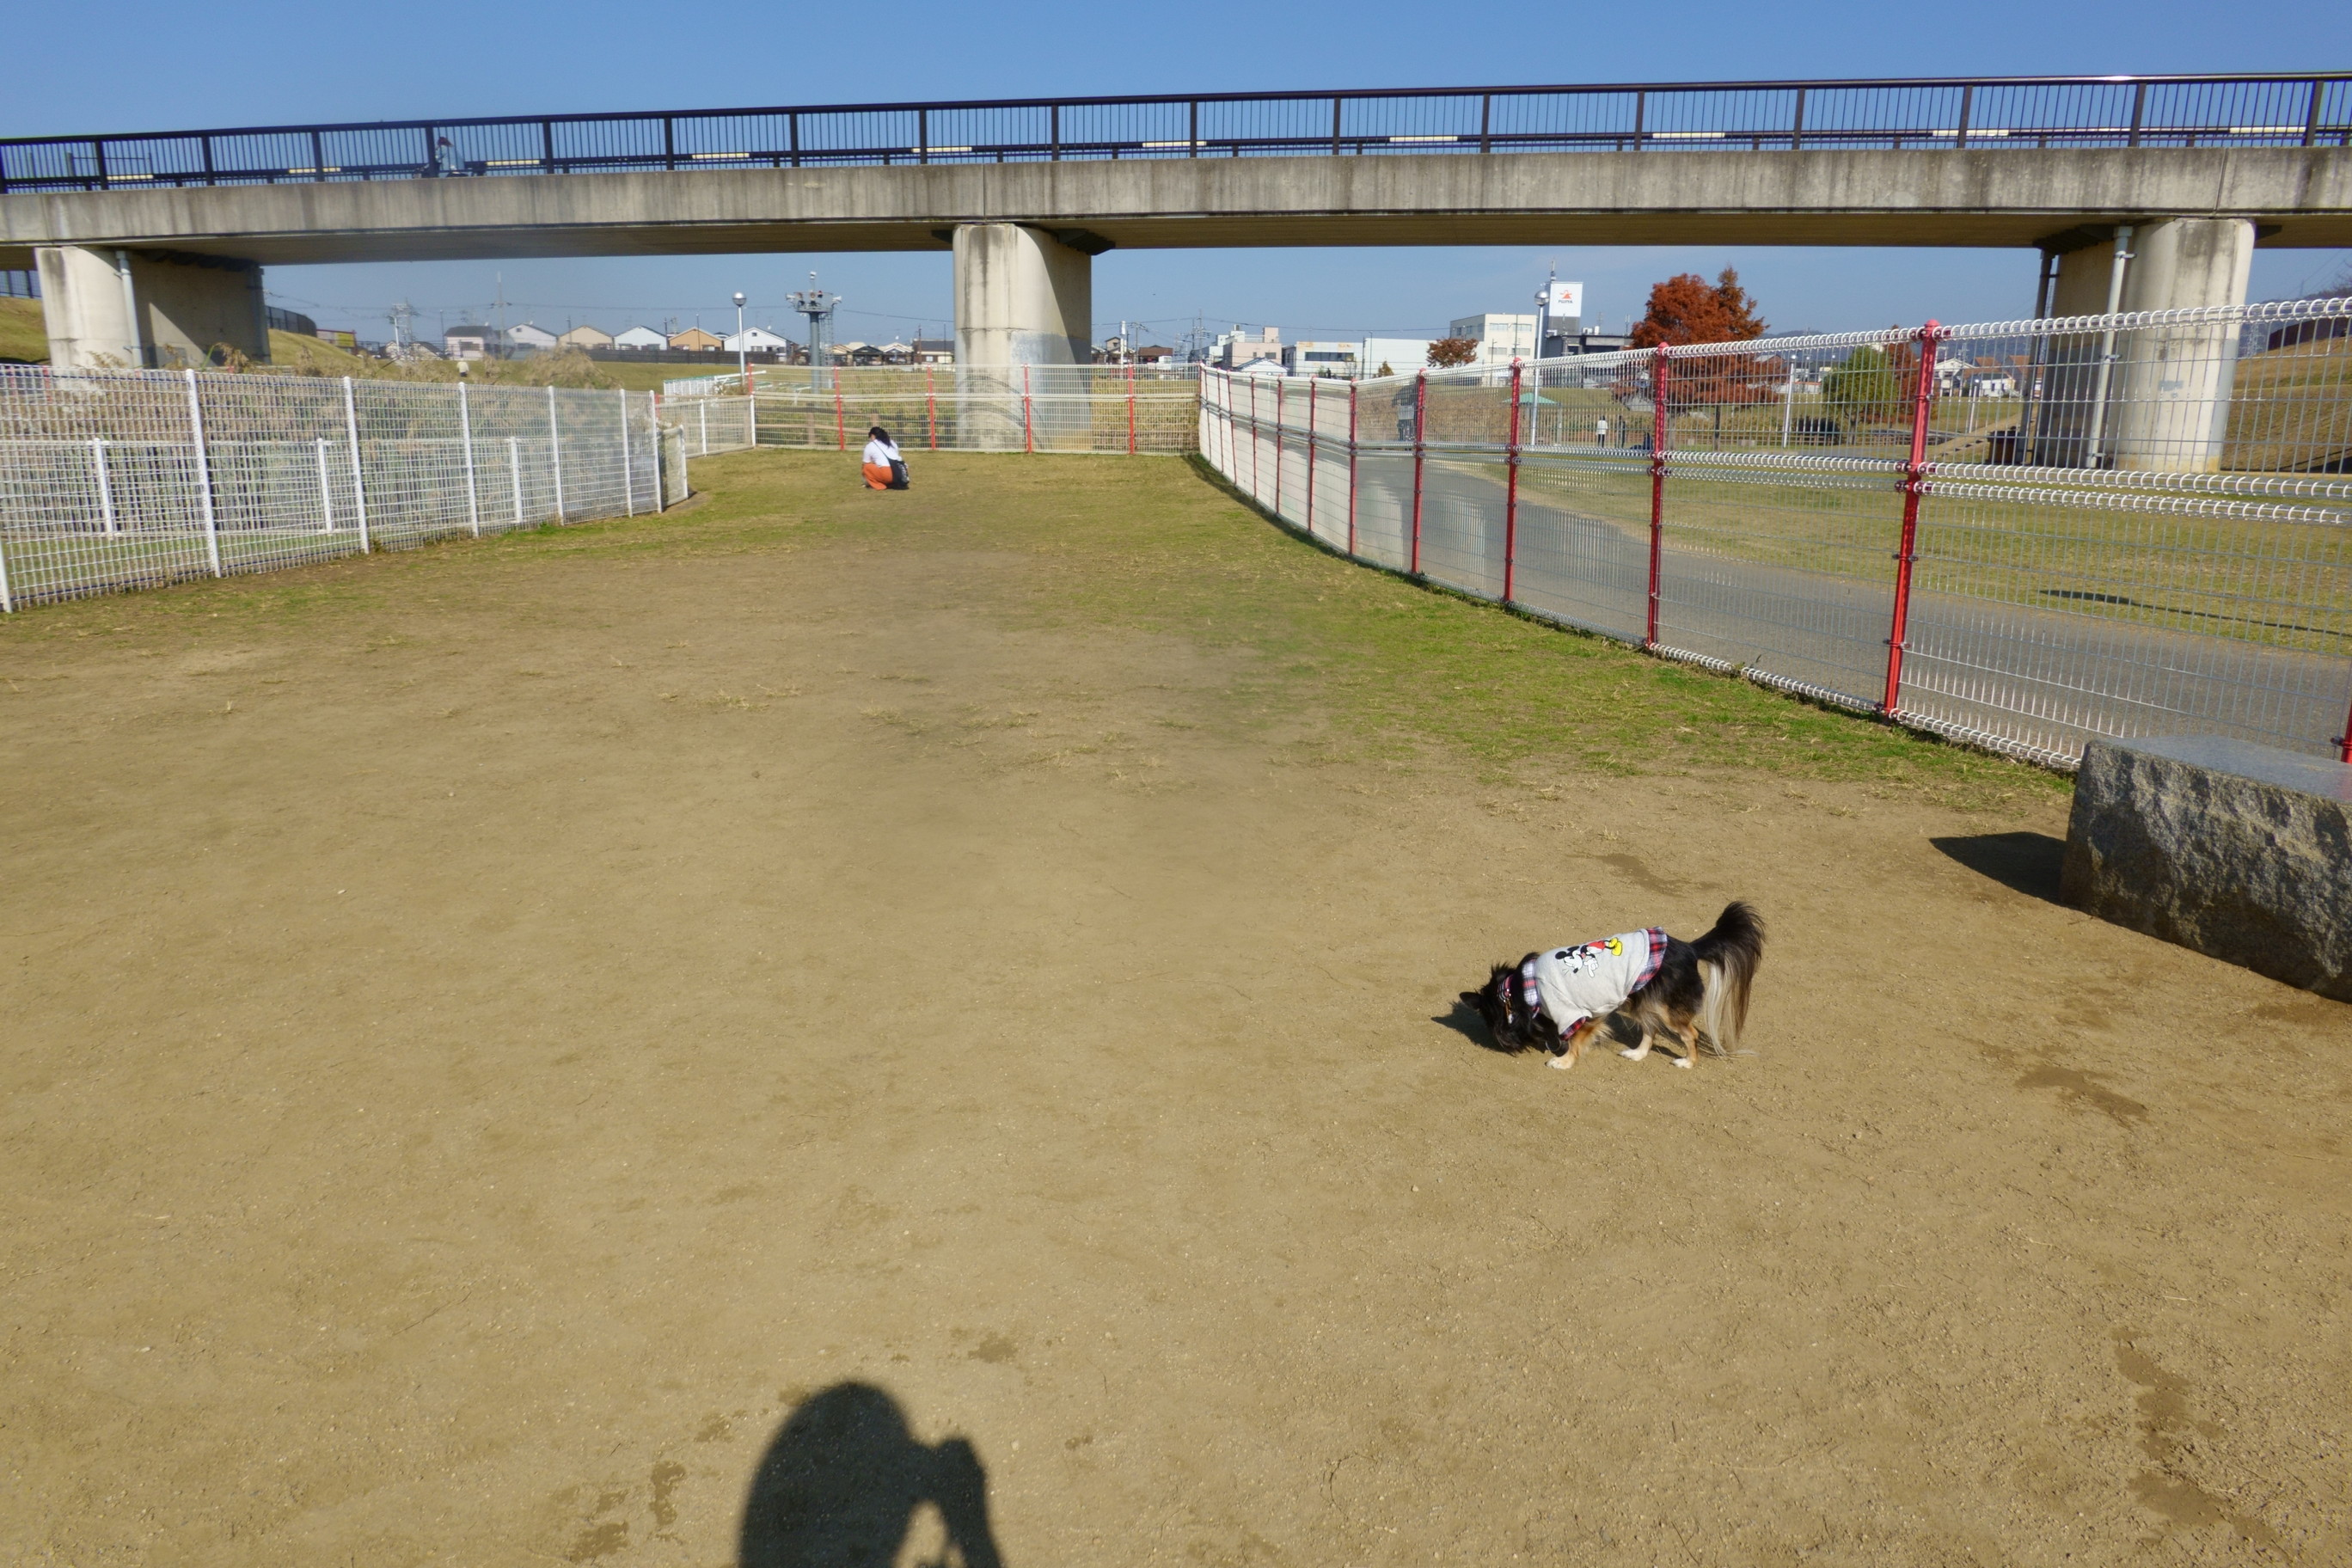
[(844, 1483)]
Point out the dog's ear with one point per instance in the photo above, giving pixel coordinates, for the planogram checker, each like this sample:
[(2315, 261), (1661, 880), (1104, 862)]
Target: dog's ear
[(1474, 1000)]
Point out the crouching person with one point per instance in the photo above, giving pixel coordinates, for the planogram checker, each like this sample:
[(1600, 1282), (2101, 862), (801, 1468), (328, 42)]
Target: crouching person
[(883, 467)]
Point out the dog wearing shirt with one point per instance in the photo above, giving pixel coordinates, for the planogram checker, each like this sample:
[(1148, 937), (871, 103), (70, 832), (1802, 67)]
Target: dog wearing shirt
[(1642, 986)]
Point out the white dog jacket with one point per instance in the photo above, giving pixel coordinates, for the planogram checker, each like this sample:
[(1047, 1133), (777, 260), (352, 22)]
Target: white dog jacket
[(1573, 983)]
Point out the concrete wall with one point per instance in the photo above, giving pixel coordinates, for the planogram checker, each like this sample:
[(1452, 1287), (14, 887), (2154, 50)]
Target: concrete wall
[(1022, 297), (122, 307), (2301, 196)]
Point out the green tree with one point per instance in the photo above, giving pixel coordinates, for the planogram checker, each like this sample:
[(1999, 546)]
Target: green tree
[(1870, 387)]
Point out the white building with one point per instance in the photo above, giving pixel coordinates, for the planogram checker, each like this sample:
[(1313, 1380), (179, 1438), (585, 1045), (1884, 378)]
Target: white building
[(1403, 356), (1308, 358), (641, 338), (530, 339), (1501, 339), (756, 340)]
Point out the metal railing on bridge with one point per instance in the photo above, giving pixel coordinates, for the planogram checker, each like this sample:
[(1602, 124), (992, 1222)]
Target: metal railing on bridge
[(2310, 109)]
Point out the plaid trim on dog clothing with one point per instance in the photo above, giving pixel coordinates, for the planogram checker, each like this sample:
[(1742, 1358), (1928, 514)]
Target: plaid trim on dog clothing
[(1573, 983)]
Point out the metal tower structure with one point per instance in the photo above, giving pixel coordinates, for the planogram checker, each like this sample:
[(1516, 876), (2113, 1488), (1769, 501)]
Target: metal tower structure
[(818, 307)]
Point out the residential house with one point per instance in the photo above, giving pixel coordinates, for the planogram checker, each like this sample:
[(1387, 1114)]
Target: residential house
[(470, 342), (1235, 350), (641, 338), (757, 340), (586, 338), (529, 339), (695, 338), (934, 351)]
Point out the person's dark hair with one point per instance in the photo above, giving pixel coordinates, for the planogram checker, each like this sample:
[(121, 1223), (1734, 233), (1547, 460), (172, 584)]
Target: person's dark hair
[(875, 433)]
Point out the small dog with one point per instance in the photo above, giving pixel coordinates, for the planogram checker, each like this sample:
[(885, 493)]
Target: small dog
[(1640, 985)]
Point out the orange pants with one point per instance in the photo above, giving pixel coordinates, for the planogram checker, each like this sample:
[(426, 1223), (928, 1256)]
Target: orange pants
[(878, 475)]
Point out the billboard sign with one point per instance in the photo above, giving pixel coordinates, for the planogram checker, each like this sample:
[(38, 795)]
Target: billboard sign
[(1564, 299)]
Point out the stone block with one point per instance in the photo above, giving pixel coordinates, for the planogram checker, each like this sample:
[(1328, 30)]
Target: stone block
[(2240, 851)]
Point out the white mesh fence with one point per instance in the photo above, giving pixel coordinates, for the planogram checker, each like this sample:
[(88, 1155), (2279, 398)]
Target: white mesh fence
[(2024, 533), (119, 480), (1104, 409)]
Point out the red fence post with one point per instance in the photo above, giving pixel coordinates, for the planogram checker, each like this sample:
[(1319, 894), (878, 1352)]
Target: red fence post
[(1660, 376), (1314, 399), (840, 428), (1914, 484), (2344, 741), (1511, 493), (1131, 408), (1420, 418), (1351, 468), (931, 406), (1255, 493), (1028, 440)]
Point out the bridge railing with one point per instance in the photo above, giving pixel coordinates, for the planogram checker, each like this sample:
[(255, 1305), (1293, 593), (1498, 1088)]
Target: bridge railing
[(1978, 113), (2019, 534)]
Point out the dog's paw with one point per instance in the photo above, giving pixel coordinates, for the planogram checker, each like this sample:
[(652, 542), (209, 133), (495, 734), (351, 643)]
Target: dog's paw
[(1634, 1053), (1682, 1061), (1563, 1062)]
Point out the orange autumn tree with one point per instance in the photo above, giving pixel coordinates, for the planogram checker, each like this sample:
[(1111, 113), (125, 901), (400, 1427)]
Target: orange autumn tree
[(1687, 309)]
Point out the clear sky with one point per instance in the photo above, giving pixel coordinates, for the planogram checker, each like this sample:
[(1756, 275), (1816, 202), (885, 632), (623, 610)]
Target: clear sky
[(143, 65)]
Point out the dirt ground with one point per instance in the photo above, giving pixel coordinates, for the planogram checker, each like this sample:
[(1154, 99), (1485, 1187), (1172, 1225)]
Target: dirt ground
[(647, 1046)]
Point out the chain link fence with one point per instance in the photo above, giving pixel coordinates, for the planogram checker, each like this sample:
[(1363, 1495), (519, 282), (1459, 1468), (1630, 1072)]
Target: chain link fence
[(2021, 534), (120, 479)]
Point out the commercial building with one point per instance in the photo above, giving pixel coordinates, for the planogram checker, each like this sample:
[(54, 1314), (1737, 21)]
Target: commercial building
[(1238, 350), (1501, 338), (1399, 356), (1330, 358)]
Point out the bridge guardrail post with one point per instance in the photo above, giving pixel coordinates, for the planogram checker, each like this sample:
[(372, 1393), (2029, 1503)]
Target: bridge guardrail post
[(1915, 485)]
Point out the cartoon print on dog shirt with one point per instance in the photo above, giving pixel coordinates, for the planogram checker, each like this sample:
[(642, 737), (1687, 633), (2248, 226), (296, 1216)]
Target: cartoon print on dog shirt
[(1574, 984)]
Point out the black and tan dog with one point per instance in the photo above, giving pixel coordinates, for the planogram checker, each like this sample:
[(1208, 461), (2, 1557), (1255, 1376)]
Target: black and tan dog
[(1642, 986)]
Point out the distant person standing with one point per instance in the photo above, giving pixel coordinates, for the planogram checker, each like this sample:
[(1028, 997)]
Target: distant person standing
[(883, 467), (1601, 431), (445, 158)]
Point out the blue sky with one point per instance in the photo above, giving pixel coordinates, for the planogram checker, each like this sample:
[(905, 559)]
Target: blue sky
[(238, 63)]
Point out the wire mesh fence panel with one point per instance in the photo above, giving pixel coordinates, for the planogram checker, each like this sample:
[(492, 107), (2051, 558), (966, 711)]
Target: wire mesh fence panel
[(1584, 541), (111, 480), (2023, 533), (963, 408)]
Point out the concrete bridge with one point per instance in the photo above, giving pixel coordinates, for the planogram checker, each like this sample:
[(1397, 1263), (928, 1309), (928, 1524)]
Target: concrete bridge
[(158, 259)]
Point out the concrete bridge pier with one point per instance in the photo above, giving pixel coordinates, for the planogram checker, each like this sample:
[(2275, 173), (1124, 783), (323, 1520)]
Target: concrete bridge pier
[(1024, 298), (131, 308), (2162, 403)]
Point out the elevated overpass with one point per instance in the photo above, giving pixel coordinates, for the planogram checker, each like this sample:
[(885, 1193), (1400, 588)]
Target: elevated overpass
[(151, 245)]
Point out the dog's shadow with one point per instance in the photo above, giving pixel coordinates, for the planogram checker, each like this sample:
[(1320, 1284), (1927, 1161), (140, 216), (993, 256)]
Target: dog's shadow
[(1464, 1020)]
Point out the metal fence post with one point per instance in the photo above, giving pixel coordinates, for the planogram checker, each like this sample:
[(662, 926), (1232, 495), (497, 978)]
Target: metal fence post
[(203, 477), (7, 593), (1257, 491), (1028, 435), (1281, 438), (514, 475), (628, 474), (1511, 493), (1351, 468), (359, 481), (705, 412), (105, 484), (930, 403), (555, 452), (1914, 484), (1131, 408), (653, 417), (1660, 376), (466, 428), (840, 422), (326, 495), (1419, 424), (1314, 399)]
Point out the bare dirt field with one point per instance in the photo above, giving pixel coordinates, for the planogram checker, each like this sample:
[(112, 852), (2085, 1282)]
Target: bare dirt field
[(833, 1028)]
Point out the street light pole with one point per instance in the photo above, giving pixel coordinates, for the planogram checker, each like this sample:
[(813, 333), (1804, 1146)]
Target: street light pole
[(742, 357)]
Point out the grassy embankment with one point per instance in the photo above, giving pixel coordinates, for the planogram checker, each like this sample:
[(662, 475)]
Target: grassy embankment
[(1371, 664)]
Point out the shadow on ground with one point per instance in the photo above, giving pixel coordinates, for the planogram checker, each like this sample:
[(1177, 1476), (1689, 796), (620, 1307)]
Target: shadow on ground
[(845, 1483), (2027, 863)]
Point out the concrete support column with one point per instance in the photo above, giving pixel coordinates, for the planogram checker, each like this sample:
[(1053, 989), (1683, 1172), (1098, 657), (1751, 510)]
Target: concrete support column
[(2166, 391), (1023, 299), (126, 309)]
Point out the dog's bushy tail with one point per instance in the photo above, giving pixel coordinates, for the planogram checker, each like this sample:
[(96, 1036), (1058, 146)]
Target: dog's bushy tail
[(1729, 957)]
